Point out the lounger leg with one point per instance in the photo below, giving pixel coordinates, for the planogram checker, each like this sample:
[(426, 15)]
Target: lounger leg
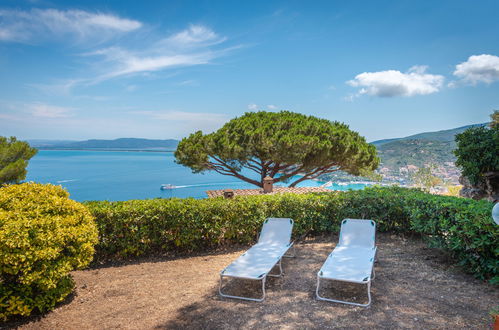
[(291, 255), (342, 301), (280, 270), (240, 297)]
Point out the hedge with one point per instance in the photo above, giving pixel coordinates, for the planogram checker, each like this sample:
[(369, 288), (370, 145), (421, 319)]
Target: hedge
[(43, 236), (144, 227)]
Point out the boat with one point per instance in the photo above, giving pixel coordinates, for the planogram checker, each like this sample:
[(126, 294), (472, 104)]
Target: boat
[(167, 186)]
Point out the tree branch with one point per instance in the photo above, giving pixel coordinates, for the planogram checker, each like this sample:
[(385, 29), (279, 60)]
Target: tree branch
[(225, 169), (315, 173)]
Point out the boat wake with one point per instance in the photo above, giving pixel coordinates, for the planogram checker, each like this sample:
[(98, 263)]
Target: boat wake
[(64, 181), (170, 186)]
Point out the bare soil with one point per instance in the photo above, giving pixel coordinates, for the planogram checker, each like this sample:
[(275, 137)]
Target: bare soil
[(415, 287)]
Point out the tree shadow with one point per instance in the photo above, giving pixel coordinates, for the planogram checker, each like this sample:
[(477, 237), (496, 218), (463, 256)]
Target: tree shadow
[(401, 298)]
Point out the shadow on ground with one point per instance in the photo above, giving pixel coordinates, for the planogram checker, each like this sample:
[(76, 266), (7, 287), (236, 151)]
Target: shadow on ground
[(414, 288)]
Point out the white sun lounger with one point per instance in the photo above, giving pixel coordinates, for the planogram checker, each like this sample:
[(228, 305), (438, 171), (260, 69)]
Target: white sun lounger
[(258, 261), (352, 260)]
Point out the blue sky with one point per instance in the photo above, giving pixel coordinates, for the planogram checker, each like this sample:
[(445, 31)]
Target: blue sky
[(163, 69)]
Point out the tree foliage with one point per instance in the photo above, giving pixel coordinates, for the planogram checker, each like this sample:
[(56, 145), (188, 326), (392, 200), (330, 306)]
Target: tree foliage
[(494, 119), (425, 179), (14, 157), (280, 145), (478, 152)]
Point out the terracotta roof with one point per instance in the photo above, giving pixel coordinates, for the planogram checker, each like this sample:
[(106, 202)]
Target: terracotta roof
[(276, 190)]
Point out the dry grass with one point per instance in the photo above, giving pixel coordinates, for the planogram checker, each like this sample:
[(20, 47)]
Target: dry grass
[(415, 287)]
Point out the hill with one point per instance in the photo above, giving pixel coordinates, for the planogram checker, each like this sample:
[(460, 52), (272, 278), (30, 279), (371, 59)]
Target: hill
[(39, 143), (123, 143), (416, 152), (443, 135), (400, 157)]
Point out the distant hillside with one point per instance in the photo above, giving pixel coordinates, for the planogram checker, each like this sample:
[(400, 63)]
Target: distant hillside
[(420, 149), (402, 156), (47, 143), (399, 157), (443, 135), (123, 143), (417, 152)]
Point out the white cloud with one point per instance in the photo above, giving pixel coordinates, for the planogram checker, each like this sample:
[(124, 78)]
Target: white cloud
[(42, 110), (478, 68), (392, 83), (187, 48), (188, 83), (252, 107), (41, 24), (193, 36), (271, 107)]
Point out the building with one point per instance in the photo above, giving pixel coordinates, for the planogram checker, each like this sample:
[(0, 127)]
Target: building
[(268, 189)]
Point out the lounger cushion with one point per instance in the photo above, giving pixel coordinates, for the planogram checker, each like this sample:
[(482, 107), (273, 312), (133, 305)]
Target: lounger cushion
[(276, 231), (257, 261), (349, 263)]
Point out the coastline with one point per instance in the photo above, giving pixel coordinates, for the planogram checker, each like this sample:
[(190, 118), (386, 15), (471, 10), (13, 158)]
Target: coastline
[(105, 149)]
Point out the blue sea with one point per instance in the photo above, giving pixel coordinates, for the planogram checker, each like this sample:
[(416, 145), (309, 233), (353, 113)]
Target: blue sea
[(124, 175)]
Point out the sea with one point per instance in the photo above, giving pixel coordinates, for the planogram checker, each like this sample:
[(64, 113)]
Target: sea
[(124, 175)]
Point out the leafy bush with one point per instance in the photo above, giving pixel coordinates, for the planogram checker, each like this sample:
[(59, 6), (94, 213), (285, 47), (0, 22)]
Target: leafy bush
[(477, 152), (43, 236), (140, 227)]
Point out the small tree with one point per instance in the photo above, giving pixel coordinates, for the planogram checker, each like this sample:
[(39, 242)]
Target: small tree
[(478, 152), (280, 145), (14, 157), (424, 178), (494, 119)]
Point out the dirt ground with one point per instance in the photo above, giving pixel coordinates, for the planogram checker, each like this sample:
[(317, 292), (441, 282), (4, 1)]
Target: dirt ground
[(415, 287)]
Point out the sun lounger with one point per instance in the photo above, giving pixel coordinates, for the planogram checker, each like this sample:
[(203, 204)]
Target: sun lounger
[(352, 260), (259, 260)]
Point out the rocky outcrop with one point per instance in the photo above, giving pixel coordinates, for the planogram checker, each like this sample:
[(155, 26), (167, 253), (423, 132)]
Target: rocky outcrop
[(489, 189)]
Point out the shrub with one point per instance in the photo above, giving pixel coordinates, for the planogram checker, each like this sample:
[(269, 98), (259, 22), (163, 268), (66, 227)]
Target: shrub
[(141, 227), (43, 236)]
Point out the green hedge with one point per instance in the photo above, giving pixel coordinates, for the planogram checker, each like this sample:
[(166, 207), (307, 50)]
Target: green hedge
[(140, 227)]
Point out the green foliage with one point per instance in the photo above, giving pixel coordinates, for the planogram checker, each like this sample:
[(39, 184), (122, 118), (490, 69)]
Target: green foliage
[(478, 152), (14, 157), (143, 227), (494, 117), (43, 236), (424, 178), (280, 145), (415, 152)]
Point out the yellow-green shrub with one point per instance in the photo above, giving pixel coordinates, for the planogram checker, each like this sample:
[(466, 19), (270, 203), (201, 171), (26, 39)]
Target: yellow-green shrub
[(43, 236)]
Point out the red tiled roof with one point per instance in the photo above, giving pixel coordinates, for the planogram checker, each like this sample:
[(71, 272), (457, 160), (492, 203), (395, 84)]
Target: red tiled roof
[(276, 190)]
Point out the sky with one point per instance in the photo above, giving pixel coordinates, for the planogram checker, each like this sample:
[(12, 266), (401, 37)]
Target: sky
[(76, 70)]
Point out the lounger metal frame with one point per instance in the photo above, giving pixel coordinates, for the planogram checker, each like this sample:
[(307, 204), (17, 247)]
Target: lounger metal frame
[(366, 281), (262, 277)]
